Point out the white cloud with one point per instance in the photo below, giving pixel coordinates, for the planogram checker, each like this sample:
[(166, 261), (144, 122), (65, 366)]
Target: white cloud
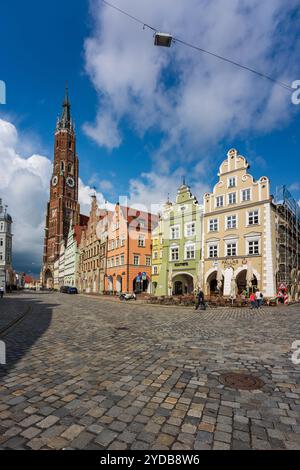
[(193, 99), (24, 187), (152, 190)]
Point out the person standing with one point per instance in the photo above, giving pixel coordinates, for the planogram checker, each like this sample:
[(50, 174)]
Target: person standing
[(201, 302), (261, 300), (252, 300), (258, 299), (1, 292)]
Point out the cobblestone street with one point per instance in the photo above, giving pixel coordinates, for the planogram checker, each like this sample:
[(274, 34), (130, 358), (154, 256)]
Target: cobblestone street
[(90, 373)]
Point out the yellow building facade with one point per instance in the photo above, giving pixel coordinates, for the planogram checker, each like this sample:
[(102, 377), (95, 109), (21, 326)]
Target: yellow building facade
[(239, 239), (157, 255)]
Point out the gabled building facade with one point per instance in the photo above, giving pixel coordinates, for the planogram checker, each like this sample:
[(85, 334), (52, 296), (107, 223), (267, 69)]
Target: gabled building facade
[(92, 253), (239, 242), (181, 242), (128, 267), (157, 254)]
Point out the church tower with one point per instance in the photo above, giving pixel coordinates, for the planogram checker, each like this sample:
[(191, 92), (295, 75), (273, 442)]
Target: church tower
[(63, 206)]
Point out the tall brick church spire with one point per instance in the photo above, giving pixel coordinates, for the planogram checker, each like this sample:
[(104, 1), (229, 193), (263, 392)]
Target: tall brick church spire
[(65, 121), (63, 207)]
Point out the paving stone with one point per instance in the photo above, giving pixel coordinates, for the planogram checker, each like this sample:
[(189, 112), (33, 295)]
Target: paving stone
[(106, 437), (47, 422), (219, 445), (72, 432)]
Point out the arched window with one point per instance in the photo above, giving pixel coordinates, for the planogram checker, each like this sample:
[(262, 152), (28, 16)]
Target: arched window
[(70, 168)]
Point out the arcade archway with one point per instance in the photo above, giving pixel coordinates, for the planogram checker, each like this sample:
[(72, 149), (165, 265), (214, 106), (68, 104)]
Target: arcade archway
[(242, 283), (119, 284), (183, 284), (214, 287), (49, 281)]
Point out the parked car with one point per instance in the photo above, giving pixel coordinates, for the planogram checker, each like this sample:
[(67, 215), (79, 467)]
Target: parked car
[(128, 296), (72, 290), (64, 289)]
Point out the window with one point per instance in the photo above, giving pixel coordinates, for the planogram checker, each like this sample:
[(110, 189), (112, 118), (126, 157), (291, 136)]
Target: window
[(1, 242), (141, 241), (190, 252), (122, 259), (174, 253), (231, 249), (136, 260), (246, 195), (190, 229), (253, 217), (155, 269), (213, 225), (219, 201), (253, 247), (117, 242), (122, 240), (231, 198), (155, 254), (112, 244), (213, 251), (175, 232), (117, 261), (141, 223), (112, 262), (231, 221), (148, 260), (161, 254), (232, 182)]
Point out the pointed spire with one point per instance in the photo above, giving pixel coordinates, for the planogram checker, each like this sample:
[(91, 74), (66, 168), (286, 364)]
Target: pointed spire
[(65, 121)]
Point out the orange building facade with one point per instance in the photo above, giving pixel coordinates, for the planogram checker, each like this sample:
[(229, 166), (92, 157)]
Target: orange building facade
[(128, 263)]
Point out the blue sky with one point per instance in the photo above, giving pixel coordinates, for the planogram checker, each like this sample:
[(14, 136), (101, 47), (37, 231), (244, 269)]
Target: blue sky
[(144, 116)]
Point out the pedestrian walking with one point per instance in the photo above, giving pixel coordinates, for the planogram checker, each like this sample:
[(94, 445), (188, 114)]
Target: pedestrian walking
[(252, 301), (201, 303), (1, 292)]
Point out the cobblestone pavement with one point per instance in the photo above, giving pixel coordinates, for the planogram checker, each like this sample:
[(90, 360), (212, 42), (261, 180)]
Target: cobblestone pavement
[(85, 373)]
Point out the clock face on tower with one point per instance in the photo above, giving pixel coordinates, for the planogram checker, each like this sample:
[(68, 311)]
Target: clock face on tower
[(70, 182), (54, 181)]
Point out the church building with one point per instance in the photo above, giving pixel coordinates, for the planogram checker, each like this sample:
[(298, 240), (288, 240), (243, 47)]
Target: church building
[(63, 206)]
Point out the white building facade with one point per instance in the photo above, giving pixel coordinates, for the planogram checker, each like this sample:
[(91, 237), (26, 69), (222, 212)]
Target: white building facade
[(5, 247), (71, 256)]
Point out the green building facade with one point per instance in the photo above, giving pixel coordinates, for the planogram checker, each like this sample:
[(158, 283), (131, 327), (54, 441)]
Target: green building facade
[(179, 271)]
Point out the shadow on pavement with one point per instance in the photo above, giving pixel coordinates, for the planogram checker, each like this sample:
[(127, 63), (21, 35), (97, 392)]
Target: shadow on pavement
[(22, 336)]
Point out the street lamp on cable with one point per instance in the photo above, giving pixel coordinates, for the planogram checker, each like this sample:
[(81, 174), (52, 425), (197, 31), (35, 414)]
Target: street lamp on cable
[(163, 39)]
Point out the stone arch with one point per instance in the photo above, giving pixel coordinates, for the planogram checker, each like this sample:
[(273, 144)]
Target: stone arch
[(49, 279), (183, 283)]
